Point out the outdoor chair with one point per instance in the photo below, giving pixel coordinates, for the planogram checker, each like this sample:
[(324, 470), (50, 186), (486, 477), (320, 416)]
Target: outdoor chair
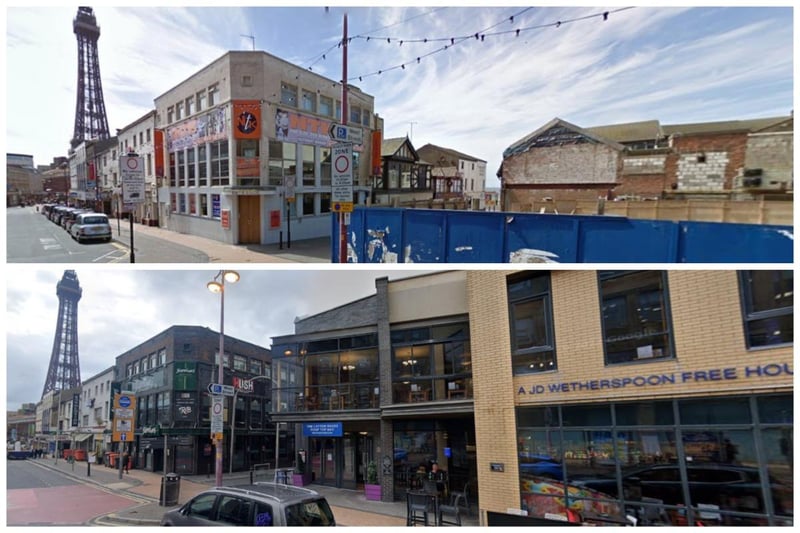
[(418, 506), (450, 513), (464, 496)]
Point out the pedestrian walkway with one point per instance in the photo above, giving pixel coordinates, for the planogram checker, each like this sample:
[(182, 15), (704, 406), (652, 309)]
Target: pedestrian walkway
[(350, 507), (304, 251)]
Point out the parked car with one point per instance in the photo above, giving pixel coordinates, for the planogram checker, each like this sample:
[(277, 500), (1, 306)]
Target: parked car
[(540, 465), (91, 226), (70, 216), (259, 504)]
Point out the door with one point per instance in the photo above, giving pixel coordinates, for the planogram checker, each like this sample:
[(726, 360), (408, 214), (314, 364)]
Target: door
[(249, 220), (329, 470)]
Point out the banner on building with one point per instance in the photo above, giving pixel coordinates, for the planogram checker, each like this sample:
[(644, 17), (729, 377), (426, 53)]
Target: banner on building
[(158, 152), (247, 119), (296, 128), (185, 377), (247, 167), (377, 164)]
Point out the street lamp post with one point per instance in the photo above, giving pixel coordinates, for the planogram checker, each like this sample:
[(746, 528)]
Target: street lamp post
[(217, 285), (233, 421)]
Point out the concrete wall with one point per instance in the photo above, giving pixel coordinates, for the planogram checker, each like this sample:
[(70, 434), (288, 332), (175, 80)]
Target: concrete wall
[(773, 153), (421, 297)]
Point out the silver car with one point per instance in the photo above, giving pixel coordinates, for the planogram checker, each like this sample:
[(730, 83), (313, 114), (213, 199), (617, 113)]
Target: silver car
[(91, 226), (260, 504)]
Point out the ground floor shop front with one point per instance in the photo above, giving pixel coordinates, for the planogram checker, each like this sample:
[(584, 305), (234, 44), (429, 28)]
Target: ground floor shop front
[(338, 453), (698, 461)]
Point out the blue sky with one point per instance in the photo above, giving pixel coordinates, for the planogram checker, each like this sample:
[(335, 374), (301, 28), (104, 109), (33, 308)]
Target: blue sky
[(677, 65)]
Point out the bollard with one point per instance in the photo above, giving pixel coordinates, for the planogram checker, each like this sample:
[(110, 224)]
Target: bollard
[(88, 469)]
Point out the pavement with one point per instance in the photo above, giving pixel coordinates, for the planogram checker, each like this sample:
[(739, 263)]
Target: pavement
[(303, 251), (350, 507)]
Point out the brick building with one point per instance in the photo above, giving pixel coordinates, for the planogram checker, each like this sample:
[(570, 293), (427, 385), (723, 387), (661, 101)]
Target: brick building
[(169, 375), (608, 385), (738, 159), (531, 386)]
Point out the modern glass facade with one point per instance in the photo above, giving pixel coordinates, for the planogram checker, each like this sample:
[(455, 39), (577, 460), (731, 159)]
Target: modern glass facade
[(715, 461)]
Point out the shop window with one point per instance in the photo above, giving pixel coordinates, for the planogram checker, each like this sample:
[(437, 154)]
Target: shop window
[(181, 203), (308, 204), (532, 344), (586, 416), (645, 414), (308, 165), (325, 166), (325, 203), (776, 409), (768, 302), (712, 411), (203, 205), (636, 324)]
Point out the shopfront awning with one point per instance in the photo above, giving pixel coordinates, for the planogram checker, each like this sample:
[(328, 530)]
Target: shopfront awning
[(82, 437)]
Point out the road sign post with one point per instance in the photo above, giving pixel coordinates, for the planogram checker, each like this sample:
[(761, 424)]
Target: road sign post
[(131, 171)]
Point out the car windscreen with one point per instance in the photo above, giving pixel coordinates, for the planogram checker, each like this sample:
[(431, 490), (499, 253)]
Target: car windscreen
[(310, 513), (95, 220)]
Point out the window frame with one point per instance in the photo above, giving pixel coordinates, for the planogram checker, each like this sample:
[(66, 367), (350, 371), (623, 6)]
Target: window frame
[(749, 315), (546, 297), (669, 330)]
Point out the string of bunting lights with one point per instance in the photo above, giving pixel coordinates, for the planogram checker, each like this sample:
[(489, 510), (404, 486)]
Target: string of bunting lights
[(319, 57), (478, 36)]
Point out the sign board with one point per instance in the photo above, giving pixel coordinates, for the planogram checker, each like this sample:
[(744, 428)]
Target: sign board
[(342, 174), (322, 429), (217, 408), (291, 186), (225, 219), (220, 390), (131, 172), (349, 134), (124, 415), (342, 207)]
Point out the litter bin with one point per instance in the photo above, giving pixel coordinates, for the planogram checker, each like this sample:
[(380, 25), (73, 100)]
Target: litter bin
[(170, 489)]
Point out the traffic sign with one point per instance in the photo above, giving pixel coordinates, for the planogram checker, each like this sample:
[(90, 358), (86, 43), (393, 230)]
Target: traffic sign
[(216, 414), (350, 134), (131, 172), (342, 174), (343, 207), (216, 388)]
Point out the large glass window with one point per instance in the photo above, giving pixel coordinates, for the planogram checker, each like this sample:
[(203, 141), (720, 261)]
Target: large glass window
[(308, 204), (289, 94), (219, 163), (181, 170), (636, 323), (326, 106), (308, 165), (325, 166), (532, 344), (431, 363), (309, 102), (191, 171), (636, 459), (202, 166), (768, 301)]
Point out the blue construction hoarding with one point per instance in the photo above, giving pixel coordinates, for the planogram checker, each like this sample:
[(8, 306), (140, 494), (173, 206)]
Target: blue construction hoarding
[(391, 235)]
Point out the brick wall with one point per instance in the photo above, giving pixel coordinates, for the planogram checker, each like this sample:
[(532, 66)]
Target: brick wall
[(724, 160), (707, 330)]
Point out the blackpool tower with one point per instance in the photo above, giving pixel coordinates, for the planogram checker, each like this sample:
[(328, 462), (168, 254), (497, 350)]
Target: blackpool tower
[(90, 110), (64, 371)]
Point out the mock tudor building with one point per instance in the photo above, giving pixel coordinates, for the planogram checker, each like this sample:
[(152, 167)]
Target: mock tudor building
[(454, 172)]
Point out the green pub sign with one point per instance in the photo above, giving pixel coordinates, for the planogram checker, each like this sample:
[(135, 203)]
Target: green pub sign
[(185, 377)]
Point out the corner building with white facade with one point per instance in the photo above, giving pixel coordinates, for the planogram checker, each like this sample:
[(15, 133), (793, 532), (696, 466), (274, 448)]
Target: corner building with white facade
[(248, 151)]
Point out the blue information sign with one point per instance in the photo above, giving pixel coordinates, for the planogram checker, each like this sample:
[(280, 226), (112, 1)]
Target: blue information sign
[(322, 429)]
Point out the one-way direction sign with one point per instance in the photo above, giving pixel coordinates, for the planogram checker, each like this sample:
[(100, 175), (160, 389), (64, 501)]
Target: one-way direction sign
[(349, 134), (217, 389)]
